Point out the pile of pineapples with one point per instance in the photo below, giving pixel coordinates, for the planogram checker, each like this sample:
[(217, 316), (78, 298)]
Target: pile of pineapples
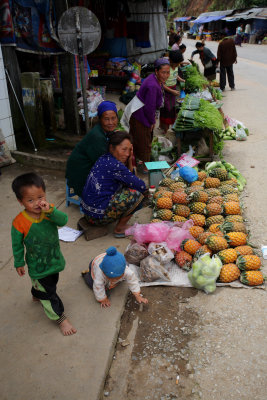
[(213, 203)]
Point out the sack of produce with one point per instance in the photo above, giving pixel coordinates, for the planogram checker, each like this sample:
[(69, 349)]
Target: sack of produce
[(204, 273), (135, 253), (240, 133), (161, 252), (151, 270)]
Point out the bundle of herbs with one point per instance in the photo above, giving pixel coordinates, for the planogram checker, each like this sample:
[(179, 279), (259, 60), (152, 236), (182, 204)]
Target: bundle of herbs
[(198, 114), (194, 80)]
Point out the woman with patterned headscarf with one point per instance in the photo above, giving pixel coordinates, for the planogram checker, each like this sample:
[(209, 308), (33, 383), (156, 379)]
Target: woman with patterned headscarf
[(91, 147)]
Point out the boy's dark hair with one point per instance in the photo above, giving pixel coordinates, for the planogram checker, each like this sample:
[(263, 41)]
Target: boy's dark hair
[(182, 46), (26, 180), (117, 137), (199, 44), (175, 56)]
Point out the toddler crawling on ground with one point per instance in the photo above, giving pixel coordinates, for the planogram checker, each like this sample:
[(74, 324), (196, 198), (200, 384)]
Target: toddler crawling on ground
[(106, 271)]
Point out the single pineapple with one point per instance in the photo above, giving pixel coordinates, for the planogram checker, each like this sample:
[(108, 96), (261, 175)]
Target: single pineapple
[(180, 209), (177, 186), (197, 207), (219, 173), (193, 189), (228, 256), (236, 239), (201, 251), (164, 202), (216, 243), (203, 236), (162, 193), (202, 175), (212, 192), (200, 196), (231, 182), (183, 260), (231, 197), (196, 230), (229, 273), (180, 198), (163, 214), (214, 228), (212, 182), (216, 199), (234, 218), (155, 220), (234, 227), (232, 208), (252, 278), (178, 218), (197, 183), (190, 246), (198, 219), (244, 250), (227, 189), (213, 209), (249, 262), (215, 219), (166, 182)]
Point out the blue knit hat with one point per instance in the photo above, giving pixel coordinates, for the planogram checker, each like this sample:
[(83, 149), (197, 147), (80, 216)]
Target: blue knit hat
[(113, 264)]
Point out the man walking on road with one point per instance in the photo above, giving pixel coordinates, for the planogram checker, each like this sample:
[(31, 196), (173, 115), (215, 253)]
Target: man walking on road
[(226, 56)]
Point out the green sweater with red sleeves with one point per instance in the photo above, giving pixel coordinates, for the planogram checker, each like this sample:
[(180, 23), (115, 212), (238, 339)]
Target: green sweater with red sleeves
[(40, 239)]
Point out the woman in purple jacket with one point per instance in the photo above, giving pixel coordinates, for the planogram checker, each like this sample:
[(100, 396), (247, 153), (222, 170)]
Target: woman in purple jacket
[(143, 120)]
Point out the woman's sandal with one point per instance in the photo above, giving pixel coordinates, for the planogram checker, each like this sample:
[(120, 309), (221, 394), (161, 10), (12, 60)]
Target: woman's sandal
[(119, 235)]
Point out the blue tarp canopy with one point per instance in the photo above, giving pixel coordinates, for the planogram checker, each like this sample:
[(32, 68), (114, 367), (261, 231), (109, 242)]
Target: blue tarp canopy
[(204, 20), (182, 19), (212, 16)]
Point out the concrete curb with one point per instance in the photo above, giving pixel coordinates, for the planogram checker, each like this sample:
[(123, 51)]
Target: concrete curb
[(39, 161)]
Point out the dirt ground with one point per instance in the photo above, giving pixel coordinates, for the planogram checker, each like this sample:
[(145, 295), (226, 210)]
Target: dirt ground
[(188, 345)]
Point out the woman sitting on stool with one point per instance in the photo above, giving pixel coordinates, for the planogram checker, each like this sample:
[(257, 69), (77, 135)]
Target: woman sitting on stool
[(112, 191)]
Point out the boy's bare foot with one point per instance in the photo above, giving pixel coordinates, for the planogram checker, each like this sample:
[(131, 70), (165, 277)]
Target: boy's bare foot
[(66, 328), (34, 299)]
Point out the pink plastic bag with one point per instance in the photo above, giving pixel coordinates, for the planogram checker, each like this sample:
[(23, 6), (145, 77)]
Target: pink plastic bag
[(177, 235), (146, 233)]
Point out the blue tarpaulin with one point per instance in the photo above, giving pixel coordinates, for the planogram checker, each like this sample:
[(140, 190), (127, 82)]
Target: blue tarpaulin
[(204, 20), (182, 19)]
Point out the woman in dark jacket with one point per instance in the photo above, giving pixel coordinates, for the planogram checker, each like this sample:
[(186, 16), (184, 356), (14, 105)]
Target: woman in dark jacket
[(208, 60)]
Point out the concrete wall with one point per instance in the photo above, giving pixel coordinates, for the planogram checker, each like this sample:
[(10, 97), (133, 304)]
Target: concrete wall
[(5, 113)]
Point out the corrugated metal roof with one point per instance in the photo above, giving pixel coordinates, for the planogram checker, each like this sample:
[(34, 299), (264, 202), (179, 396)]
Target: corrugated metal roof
[(212, 16), (249, 14)]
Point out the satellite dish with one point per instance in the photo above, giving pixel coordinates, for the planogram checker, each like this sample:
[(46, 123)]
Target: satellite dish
[(89, 30), (79, 33)]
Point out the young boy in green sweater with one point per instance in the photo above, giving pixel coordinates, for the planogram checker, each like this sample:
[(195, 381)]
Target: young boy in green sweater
[(35, 229)]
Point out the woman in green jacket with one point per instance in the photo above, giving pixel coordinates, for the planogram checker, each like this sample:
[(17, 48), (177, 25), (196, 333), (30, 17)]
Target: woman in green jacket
[(91, 147)]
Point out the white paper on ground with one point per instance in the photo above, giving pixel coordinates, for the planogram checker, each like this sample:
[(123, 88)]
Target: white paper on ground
[(179, 278), (68, 234)]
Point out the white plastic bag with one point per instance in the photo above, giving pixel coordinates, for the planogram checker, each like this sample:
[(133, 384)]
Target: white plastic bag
[(161, 252), (204, 273), (151, 270), (240, 133)]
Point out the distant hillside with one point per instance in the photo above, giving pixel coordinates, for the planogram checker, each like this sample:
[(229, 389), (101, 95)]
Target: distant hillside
[(195, 7)]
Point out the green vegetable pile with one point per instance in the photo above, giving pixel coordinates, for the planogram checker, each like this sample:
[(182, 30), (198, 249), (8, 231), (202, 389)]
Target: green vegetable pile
[(198, 114), (194, 80), (216, 93)]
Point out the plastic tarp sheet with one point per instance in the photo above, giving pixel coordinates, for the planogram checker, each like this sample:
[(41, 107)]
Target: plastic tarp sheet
[(212, 16), (258, 13), (152, 12), (182, 19)]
